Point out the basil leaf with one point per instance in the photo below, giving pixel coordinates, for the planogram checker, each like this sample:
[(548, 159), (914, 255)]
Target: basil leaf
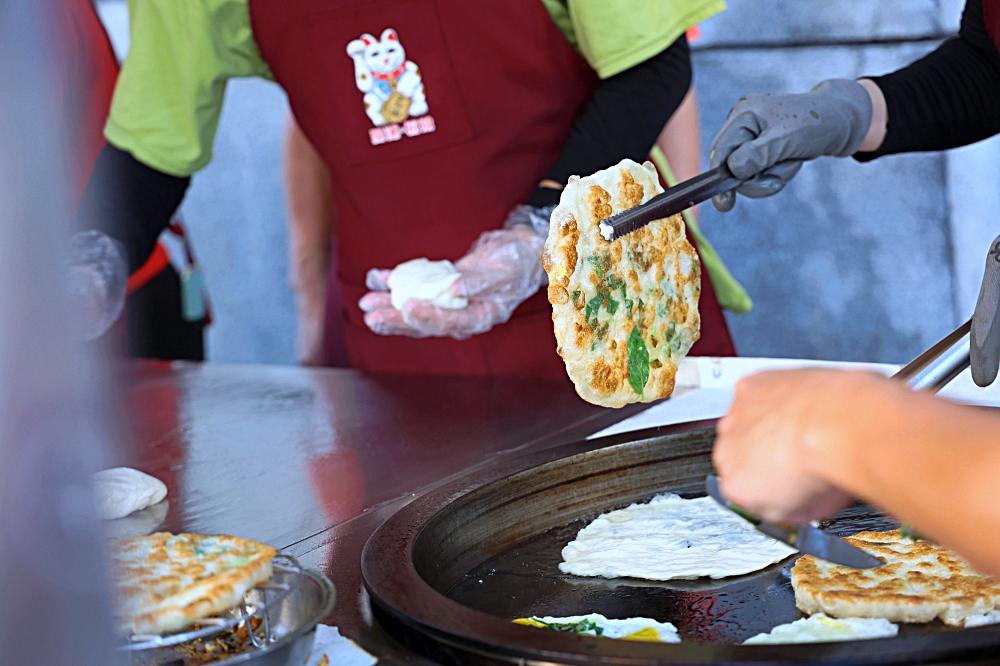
[(638, 361), (612, 305)]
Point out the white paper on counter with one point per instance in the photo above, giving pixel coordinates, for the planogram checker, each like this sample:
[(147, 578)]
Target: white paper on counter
[(338, 650), (705, 389)]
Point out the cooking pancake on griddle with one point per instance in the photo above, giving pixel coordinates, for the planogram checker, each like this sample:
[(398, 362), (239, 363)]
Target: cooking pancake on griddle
[(920, 582), (670, 538), (625, 312)]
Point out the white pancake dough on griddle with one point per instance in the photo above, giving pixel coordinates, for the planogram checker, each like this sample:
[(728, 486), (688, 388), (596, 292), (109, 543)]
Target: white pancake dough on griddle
[(425, 280), (993, 617), (670, 538), (820, 628), (595, 624), (121, 491)]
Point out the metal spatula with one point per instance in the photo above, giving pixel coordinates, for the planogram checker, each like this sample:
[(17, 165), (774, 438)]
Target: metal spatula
[(808, 539), (977, 341)]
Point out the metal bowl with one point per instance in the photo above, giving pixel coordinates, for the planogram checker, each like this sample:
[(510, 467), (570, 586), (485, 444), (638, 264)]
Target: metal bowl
[(292, 619), (449, 571)]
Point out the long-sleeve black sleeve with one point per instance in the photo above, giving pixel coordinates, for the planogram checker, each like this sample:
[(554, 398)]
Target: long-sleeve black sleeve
[(949, 98), (623, 117), (130, 202)]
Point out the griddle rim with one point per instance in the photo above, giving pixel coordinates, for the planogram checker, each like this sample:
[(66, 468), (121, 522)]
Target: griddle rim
[(398, 590)]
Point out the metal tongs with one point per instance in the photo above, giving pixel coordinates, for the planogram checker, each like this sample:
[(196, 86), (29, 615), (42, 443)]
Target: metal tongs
[(975, 343), (676, 199)]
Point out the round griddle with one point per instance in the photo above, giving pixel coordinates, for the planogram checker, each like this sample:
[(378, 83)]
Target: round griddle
[(448, 572)]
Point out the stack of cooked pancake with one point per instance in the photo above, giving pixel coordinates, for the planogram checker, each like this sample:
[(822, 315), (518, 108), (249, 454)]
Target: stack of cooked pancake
[(166, 582)]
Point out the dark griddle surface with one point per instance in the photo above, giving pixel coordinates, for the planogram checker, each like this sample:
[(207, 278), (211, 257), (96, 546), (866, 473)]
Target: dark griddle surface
[(448, 572), (526, 581)]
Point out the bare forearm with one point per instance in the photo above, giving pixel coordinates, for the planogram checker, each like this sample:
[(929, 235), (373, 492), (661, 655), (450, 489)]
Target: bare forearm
[(310, 212), (679, 139), (880, 118), (931, 463)]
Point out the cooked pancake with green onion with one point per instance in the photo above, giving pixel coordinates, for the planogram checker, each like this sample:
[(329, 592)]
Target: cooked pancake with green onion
[(625, 311)]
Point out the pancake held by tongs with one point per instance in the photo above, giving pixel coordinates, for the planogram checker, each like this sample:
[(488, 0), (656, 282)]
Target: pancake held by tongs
[(625, 312)]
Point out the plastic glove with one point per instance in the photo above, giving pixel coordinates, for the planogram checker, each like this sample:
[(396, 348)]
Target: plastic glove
[(766, 138), (98, 279), (500, 271)]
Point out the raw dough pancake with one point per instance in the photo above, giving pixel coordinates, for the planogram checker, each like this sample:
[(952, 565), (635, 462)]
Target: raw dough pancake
[(670, 538), (164, 582), (595, 624), (920, 582), (625, 312), (820, 628)]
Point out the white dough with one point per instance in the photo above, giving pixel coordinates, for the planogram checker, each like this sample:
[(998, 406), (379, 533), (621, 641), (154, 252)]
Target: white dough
[(820, 628), (426, 281), (665, 631), (670, 538), (993, 617), (123, 490), (139, 523)]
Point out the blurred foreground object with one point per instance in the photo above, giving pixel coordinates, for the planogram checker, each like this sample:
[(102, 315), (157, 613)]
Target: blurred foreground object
[(98, 273), (51, 431)]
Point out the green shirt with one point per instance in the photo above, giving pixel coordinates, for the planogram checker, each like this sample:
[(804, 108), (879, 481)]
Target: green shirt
[(166, 106)]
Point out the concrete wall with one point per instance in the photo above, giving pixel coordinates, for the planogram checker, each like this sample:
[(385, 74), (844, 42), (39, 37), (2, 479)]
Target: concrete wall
[(855, 262)]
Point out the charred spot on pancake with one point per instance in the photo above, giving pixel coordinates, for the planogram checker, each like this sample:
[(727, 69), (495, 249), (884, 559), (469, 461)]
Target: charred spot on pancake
[(558, 295), (598, 203), (662, 383), (582, 336), (546, 261), (604, 377), (631, 192), (568, 248)]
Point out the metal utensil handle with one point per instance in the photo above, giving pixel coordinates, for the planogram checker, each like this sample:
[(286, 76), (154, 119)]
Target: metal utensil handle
[(985, 334), (678, 198), (941, 363), (977, 339), (703, 187)]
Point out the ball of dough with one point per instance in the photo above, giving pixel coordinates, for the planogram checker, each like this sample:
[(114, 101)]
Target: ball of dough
[(123, 490)]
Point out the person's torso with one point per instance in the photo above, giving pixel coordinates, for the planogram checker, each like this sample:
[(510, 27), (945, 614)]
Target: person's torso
[(435, 118), (444, 115)]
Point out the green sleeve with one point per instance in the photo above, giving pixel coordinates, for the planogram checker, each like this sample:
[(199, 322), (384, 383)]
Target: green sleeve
[(731, 294), (614, 35), (168, 98)]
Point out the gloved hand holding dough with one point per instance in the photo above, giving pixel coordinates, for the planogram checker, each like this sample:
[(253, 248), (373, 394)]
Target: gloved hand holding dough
[(500, 271)]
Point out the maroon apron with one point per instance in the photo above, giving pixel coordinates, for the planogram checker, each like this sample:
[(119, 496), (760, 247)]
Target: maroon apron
[(429, 150)]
